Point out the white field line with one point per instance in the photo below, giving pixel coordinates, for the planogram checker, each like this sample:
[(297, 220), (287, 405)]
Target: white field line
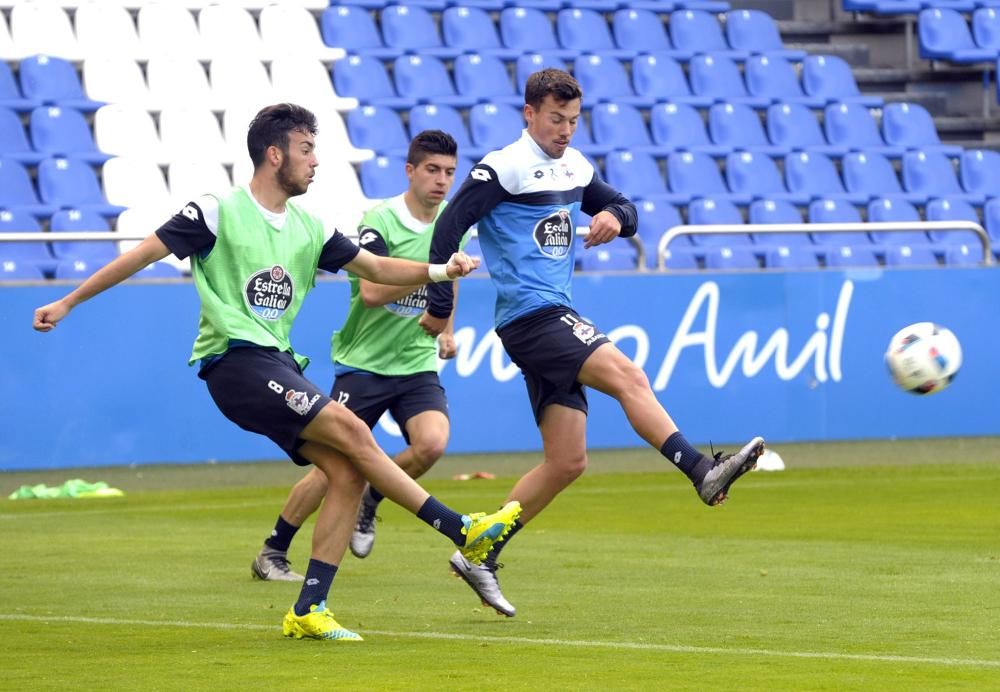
[(570, 643)]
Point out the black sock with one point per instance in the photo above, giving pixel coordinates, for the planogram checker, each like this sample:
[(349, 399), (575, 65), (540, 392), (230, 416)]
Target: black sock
[(443, 519), (282, 535), (374, 495), (685, 457), (316, 586), (491, 559)]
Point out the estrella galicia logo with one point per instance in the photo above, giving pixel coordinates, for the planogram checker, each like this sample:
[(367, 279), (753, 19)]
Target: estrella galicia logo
[(410, 305), (554, 234), (269, 292)]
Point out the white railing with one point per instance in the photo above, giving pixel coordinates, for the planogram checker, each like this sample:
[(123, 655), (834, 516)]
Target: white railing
[(874, 227)]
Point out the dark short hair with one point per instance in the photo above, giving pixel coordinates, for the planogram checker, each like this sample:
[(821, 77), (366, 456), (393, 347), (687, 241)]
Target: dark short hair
[(559, 83), (428, 143), (271, 126)]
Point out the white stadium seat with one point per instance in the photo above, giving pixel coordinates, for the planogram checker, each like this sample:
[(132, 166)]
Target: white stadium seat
[(185, 129), (307, 82), (167, 28), (228, 30), (133, 182), (123, 129), (43, 29), (103, 28), (176, 80), (115, 79), (237, 81), (285, 25), (191, 178)]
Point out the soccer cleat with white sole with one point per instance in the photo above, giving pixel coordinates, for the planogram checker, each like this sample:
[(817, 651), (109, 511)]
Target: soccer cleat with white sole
[(273, 565), (363, 537), (318, 623), (726, 468), (483, 580), (482, 531)]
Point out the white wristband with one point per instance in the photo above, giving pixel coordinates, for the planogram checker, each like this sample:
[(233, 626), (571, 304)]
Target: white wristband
[(438, 272)]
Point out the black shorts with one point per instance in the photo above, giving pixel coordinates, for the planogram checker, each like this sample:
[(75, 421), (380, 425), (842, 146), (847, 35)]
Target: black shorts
[(263, 391), (550, 346), (369, 396)]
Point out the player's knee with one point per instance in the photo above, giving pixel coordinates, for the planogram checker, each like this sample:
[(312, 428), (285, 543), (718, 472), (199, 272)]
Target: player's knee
[(570, 467), (428, 450)]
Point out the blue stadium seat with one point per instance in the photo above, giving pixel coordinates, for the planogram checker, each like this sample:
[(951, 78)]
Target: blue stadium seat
[(15, 270), (471, 29), (528, 63), (14, 142), (34, 254), (637, 175), (658, 76), (584, 30), (78, 269), (943, 34), (980, 171), (73, 220), (952, 209), (770, 211), (17, 191), (910, 256), (909, 125), (679, 258), (411, 28), (717, 77), (756, 175), (583, 141), (655, 219), (773, 78), (697, 31), (70, 183), (986, 29), (620, 126), (870, 173), (830, 77), (603, 78), (620, 256), (59, 131), (755, 31), (791, 257), (813, 174), (425, 79), (54, 81), (694, 174), (836, 211), (793, 126), (731, 257), (383, 176), (711, 211), (353, 29), (963, 254), (640, 31), (378, 128), (679, 127), (852, 125), (364, 77), (494, 126), (738, 126), (932, 174), (485, 78), (528, 29), (885, 209), (851, 256), (10, 93), (431, 117)]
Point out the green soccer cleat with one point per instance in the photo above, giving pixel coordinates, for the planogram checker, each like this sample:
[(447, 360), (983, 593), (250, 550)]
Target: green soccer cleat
[(318, 623), (483, 530)]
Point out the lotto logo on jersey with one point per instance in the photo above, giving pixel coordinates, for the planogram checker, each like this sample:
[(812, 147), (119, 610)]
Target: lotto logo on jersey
[(269, 292), (554, 234)]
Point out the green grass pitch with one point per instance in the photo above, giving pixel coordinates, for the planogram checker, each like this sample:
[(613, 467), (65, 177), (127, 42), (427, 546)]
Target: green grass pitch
[(862, 566)]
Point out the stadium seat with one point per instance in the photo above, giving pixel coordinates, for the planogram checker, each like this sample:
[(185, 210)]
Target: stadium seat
[(698, 31), (354, 29), (78, 269), (943, 34), (240, 80), (163, 26), (755, 32), (54, 81), (830, 77), (910, 256), (791, 257), (636, 174), (77, 220), (300, 79), (470, 29), (756, 176), (679, 258), (229, 30), (70, 183), (852, 125), (383, 176), (717, 77), (17, 191), (14, 142), (115, 79), (619, 256), (980, 171), (655, 219), (603, 78), (952, 209), (188, 179), (528, 29), (185, 128), (814, 174), (731, 257), (42, 28), (659, 77), (679, 127), (883, 210), (364, 77), (463, 165), (793, 126), (484, 78), (711, 211), (10, 92), (410, 28), (871, 173), (59, 131), (377, 128), (528, 63), (963, 254), (773, 77), (851, 256), (29, 254), (932, 174), (283, 25), (693, 174), (986, 28), (909, 125), (737, 126), (493, 126), (620, 126), (425, 79), (15, 270), (176, 79), (337, 180), (770, 211), (133, 182), (445, 118), (107, 28), (836, 211), (640, 31), (585, 30)]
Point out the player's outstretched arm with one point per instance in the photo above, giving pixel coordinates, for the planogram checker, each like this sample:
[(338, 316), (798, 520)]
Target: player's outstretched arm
[(403, 272), (120, 268)]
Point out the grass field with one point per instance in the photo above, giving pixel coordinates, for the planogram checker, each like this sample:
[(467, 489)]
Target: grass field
[(862, 566)]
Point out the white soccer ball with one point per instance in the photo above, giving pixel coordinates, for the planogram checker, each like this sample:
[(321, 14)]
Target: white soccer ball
[(923, 358)]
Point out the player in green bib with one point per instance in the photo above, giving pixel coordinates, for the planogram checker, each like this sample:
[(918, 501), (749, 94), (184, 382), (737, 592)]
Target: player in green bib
[(254, 256), (384, 361)]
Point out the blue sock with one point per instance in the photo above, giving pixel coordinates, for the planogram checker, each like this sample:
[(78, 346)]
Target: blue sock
[(443, 519), (374, 494), (316, 586), (685, 457), (491, 559), (282, 535)]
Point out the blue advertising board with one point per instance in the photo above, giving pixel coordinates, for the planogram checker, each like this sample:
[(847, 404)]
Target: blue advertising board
[(791, 356)]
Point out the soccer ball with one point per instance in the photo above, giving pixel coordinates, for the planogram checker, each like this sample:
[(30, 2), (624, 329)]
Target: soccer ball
[(923, 358)]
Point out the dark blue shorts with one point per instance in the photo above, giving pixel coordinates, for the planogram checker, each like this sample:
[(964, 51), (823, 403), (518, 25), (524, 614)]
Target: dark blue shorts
[(369, 396), (263, 391), (550, 346)]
